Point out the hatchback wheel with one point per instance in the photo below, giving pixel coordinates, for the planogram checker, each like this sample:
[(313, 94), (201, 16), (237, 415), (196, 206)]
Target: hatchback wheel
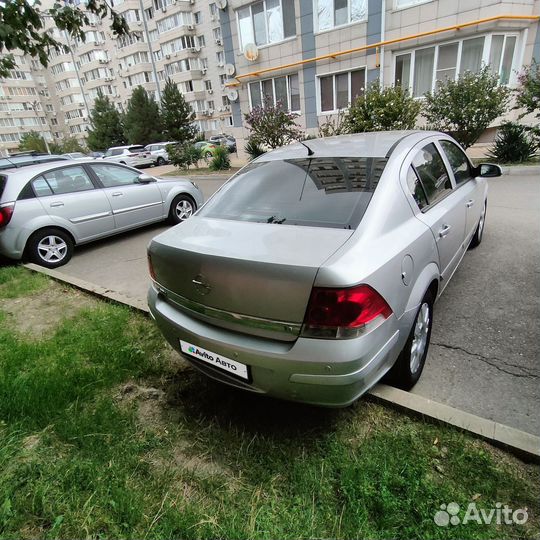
[(477, 238), (410, 363), (160, 161), (50, 248), (182, 208)]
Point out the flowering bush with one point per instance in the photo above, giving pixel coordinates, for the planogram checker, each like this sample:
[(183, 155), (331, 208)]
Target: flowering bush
[(381, 109), (466, 107), (272, 126)]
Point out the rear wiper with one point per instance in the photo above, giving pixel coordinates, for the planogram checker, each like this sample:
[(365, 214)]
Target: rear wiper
[(274, 219)]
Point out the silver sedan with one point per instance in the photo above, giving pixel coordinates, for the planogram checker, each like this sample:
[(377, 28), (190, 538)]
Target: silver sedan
[(47, 209), (313, 272)]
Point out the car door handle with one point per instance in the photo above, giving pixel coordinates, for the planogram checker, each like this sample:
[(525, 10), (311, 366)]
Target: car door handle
[(117, 194), (470, 203), (444, 231), (56, 204)]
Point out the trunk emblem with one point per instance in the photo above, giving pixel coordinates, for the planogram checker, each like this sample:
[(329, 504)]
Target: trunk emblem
[(201, 285)]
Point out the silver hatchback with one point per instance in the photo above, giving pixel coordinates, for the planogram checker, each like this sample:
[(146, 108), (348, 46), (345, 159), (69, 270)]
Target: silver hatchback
[(314, 270), (47, 209)]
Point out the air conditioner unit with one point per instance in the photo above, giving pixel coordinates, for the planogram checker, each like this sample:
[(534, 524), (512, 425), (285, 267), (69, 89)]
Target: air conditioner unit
[(167, 56), (220, 64), (204, 112), (103, 61), (212, 17), (190, 27), (81, 104), (219, 42), (139, 23), (194, 50), (164, 9), (203, 71), (210, 91), (93, 24), (198, 48), (8, 113), (210, 112), (191, 2), (109, 79)]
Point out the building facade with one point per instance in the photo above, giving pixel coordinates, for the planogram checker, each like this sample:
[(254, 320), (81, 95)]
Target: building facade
[(228, 56)]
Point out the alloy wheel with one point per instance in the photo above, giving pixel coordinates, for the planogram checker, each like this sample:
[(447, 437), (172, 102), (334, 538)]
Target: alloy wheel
[(419, 342), (52, 249)]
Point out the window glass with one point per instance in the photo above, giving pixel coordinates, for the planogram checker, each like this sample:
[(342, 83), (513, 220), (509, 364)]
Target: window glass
[(255, 93), (275, 20), (471, 55), (358, 83), (327, 93), (416, 189), (342, 90), (507, 59), (289, 18), (112, 176), (432, 172), (324, 14), (280, 84), (295, 92), (68, 180), (268, 90), (259, 23), (403, 71), (458, 161), (423, 71), (315, 192), (41, 188), (340, 12), (495, 54), (447, 62), (358, 10)]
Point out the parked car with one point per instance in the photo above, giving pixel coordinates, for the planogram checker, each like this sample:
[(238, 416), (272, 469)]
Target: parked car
[(27, 159), (158, 152), (207, 148), (225, 140), (76, 155), (311, 274), (47, 209), (96, 154), (134, 155)]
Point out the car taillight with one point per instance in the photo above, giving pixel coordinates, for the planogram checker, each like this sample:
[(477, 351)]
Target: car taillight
[(6, 211), (344, 313), (151, 268)]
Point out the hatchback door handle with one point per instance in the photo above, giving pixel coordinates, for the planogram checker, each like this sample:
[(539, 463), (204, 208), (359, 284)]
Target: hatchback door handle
[(444, 231), (56, 204), (470, 203), (117, 194)]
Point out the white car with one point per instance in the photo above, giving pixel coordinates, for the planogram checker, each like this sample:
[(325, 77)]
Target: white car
[(158, 152), (76, 156), (134, 155)]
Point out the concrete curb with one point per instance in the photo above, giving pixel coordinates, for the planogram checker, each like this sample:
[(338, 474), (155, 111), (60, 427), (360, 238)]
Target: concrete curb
[(521, 170), (520, 442)]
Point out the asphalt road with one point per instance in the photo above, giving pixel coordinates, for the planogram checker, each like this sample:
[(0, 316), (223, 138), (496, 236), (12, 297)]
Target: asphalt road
[(484, 355)]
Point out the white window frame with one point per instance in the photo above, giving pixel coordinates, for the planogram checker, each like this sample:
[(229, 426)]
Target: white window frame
[(268, 43), (273, 79), (316, 30), (412, 3), (333, 74), (485, 57)]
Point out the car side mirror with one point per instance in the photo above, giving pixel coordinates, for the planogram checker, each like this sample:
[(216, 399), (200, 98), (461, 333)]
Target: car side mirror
[(488, 170), (145, 179)]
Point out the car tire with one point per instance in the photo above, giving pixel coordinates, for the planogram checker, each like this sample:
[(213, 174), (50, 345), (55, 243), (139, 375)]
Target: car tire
[(182, 208), (479, 233), (410, 362), (50, 247), (160, 161)]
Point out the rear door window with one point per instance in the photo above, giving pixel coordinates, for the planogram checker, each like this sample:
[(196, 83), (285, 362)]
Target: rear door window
[(432, 172), (317, 192), (416, 189), (68, 180)]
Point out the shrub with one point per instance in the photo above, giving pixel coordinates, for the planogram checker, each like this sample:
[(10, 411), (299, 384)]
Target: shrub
[(332, 126), (184, 155), (528, 95), (272, 126), (220, 160), (381, 109), (466, 107), (513, 144), (253, 149)]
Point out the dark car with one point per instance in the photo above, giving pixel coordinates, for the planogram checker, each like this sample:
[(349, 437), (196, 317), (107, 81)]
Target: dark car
[(24, 159)]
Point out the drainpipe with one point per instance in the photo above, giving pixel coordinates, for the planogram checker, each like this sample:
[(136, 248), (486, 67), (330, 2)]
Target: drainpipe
[(383, 38)]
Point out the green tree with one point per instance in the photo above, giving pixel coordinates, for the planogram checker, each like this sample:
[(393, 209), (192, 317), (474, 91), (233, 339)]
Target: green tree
[(528, 95), (22, 27), (71, 144), (272, 126), (381, 109), (466, 107), (142, 121), (32, 142), (106, 125), (176, 115)]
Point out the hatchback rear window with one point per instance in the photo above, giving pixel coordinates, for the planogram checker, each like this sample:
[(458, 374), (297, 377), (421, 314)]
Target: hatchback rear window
[(315, 192), (136, 148)]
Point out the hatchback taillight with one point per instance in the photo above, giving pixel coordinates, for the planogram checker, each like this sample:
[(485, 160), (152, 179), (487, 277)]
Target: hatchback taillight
[(6, 211), (344, 313), (151, 268)]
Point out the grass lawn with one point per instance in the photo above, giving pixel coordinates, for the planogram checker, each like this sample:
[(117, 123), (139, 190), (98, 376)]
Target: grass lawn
[(105, 433), (201, 171)]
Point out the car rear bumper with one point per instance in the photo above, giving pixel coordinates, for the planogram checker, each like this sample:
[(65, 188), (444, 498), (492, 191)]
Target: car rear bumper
[(331, 373)]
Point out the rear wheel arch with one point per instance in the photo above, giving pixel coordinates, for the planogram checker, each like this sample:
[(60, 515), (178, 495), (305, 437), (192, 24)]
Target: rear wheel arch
[(38, 245), (56, 227), (428, 280)]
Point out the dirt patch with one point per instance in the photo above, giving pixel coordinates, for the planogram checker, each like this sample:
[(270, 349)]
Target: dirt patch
[(38, 314), (148, 400)]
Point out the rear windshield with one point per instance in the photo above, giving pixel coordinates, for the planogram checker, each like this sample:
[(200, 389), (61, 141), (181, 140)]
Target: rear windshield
[(136, 148), (3, 182), (313, 192)]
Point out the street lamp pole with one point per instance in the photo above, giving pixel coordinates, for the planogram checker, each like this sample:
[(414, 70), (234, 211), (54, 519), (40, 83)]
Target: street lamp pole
[(34, 105)]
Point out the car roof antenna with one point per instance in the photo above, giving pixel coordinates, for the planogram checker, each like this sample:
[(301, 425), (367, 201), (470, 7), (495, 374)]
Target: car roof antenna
[(310, 152)]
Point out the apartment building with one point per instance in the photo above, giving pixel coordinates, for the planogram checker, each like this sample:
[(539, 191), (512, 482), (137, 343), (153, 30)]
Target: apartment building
[(316, 56)]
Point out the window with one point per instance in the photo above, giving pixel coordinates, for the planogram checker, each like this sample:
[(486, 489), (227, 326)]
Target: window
[(67, 180), (315, 192), (339, 90), (113, 176), (400, 4), (285, 90), (266, 22), (220, 58), (208, 85), (197, 17), (182, 18), (432, 173), (332, 13), (423, 70), (458, 161), (416, 189)]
